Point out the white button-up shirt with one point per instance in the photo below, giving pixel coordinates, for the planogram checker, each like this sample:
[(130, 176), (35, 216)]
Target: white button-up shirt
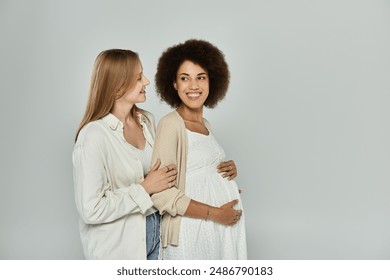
[(110, 200)]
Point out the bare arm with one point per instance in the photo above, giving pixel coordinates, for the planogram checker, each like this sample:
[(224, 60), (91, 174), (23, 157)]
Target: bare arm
[(225, 214)]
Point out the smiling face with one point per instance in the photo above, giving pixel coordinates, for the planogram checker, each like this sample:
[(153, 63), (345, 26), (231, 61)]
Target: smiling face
[(192, 85), (136, 93)]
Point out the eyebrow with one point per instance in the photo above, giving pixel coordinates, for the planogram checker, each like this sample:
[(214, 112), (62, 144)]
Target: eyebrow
[(185, 74)]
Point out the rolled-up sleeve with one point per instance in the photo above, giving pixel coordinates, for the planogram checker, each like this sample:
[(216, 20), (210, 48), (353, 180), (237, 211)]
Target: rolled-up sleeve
[(167, 148)]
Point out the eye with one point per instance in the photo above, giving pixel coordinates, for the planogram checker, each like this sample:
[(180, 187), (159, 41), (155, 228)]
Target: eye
[(183, 78), (202, 77)]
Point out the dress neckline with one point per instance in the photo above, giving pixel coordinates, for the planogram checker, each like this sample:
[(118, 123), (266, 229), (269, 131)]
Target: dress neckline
[(198, 133)]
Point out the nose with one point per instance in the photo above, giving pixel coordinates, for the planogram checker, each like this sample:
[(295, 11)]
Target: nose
[(146, 81), (194, 84)]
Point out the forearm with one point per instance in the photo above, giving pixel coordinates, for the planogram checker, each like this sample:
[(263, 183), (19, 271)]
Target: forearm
[(225, 214), (171, 201), (110, 205), (200, 210)]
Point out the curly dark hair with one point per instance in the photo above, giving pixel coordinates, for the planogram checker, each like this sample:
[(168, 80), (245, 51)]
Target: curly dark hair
[(199, 52)]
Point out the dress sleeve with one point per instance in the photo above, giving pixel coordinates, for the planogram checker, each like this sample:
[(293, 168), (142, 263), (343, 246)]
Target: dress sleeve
[(167, 148), (96, 200)]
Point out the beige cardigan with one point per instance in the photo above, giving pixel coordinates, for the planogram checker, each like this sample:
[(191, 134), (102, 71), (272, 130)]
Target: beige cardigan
[(171, 146)]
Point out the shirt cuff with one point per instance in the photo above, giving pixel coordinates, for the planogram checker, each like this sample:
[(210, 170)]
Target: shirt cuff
[(141, 197)]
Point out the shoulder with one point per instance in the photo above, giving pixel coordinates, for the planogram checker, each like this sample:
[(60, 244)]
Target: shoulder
[(92, 133), (171, 124), (172, 118), (207, 124)]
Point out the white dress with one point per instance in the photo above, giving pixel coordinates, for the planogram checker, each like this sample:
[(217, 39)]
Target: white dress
[(200, 239)]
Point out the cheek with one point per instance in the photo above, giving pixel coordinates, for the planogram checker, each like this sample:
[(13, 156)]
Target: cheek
[(180, 88), (205, 87), (205, 84)]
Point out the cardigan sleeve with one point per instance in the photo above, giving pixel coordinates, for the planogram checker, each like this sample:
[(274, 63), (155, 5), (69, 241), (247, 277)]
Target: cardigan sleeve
[(169, 147)]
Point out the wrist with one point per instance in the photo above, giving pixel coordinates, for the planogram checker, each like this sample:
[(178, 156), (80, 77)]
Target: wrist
[(210, 214), (146, 188)]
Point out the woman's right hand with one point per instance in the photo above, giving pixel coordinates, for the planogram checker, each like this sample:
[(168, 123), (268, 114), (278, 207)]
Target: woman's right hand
[(226, 214), (158, 180)]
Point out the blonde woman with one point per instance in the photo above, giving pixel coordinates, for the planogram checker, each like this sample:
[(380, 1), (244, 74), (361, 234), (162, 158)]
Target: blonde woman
[(111, 162)]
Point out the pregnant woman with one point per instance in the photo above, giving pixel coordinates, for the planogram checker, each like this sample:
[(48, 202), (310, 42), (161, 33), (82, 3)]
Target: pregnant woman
[(203, 216)]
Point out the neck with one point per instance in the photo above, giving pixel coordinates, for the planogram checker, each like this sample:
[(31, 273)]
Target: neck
[(192, 115), (122, 112)]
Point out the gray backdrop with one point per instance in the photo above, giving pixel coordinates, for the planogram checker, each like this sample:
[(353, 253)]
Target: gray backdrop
[(306, 117)]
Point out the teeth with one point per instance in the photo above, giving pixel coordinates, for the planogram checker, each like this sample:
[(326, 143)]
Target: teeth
[(193, 94)]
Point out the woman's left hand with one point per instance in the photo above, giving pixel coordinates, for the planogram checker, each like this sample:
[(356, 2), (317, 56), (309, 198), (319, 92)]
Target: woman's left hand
[(228, 169)]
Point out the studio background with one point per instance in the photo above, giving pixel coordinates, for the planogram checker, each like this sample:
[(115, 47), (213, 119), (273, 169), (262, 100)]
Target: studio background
[(306, 117)]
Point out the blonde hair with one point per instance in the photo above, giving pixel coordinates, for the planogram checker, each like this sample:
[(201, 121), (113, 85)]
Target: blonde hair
[(114, 71)]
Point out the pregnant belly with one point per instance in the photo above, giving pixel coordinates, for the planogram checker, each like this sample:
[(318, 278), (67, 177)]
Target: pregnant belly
[(211, 189)]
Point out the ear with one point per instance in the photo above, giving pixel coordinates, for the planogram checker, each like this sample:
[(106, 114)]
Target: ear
[(175, 85), (119, 94)]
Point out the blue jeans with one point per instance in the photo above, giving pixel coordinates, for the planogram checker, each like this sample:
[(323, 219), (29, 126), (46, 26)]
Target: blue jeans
[(153, 236)]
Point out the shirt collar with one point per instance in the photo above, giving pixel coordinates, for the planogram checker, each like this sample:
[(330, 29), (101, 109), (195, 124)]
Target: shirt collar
[(141, 119), (113, 122)]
